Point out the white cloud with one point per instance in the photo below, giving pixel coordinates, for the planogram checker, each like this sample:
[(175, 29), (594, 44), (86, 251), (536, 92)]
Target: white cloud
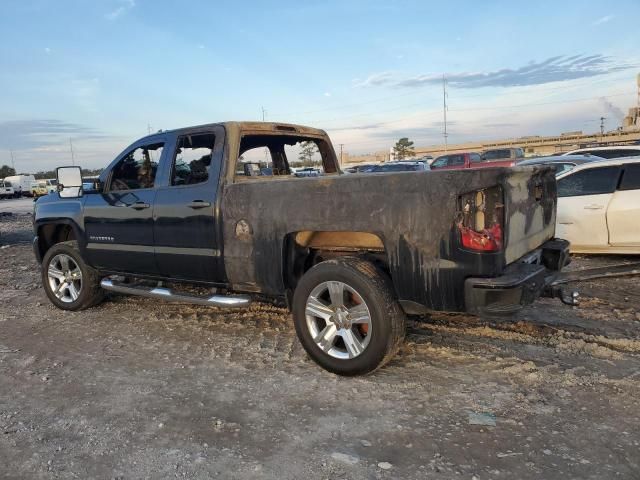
[(376, 79), (47, 50), (605, 19), (124, 6), (327, 94), (555, 69), (201, 47)]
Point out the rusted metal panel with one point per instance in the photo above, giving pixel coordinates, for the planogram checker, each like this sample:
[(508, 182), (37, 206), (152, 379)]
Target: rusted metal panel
[(413, 213)]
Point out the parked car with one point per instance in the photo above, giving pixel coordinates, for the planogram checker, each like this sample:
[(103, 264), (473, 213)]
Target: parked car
[(503, 155), (349, 254), (6, 190), (21, 184), (307, 172), (599, 206), (428, 159), (361, 168), (613, 151), (560, 163), (401, 166), (44, 187), (458, 161)]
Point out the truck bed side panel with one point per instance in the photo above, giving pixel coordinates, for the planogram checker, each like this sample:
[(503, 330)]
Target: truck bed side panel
[(413, 213)]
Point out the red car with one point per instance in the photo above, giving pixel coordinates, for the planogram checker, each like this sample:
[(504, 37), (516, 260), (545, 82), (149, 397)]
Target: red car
[(458, 161)]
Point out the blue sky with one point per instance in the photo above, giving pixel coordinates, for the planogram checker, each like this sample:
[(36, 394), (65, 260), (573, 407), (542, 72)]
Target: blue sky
[(368, 72)]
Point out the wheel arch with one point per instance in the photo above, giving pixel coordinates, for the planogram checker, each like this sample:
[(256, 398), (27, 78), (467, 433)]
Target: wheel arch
[(52, 232), (305, 248)]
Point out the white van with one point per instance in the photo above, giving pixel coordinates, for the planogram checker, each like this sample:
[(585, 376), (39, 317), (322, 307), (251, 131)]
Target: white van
[(6, 190), (21, 184)]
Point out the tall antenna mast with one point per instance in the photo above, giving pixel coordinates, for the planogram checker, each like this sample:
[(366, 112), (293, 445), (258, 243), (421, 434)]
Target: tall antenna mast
[(13, 165), (73, 160), (444, 109)]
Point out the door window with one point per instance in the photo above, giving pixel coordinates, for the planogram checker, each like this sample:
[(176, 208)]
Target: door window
[(594, 181), (440, 162), (192, 160), (137, 169), (475, 158), (630, 177)]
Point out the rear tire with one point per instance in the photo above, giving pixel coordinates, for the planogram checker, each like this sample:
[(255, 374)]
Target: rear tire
[(68, 281), (347, 317)]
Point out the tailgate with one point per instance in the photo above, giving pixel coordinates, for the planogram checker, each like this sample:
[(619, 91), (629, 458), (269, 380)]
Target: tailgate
[(530, 209)]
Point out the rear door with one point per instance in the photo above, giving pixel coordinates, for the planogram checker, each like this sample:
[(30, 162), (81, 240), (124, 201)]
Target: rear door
[(623, 214), (583, 200), (187, 227), (119, 220)]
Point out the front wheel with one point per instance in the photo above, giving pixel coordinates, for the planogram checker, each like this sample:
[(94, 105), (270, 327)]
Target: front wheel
[(346, 316), (69, 283)]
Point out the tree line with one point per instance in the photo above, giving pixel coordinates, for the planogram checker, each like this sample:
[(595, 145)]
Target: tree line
[(7, 171)]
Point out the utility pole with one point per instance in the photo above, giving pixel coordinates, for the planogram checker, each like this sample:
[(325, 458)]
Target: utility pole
[(341, 145), (149, 128), (444, 109), (73, 160), (602, 119), (13, 165), (266, 150)]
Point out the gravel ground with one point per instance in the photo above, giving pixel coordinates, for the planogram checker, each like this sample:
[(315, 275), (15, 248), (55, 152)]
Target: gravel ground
[(135, 388)]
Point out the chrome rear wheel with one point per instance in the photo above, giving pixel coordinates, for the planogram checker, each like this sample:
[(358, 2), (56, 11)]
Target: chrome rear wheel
[(338, 320)]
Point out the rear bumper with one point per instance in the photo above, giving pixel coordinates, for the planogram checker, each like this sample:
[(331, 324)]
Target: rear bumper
[(521, 283)]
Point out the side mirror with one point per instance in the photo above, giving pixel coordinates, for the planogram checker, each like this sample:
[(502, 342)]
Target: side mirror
[(69, 182)]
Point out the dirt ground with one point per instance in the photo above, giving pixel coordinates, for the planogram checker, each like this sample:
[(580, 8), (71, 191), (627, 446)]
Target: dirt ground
[(135, 388)]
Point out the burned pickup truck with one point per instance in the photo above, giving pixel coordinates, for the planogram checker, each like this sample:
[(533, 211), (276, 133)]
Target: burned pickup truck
[(216, 208)]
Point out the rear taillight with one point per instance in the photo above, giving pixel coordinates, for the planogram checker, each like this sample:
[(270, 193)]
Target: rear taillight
[(480, 220)]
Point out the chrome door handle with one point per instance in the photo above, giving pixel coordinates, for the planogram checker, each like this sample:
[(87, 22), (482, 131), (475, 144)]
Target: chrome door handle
[(139, 206), (199, 204), (594, 207)]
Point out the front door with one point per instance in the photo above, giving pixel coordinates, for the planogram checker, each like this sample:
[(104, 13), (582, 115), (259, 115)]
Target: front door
[(583, 199), (119, 220), (187, 227)]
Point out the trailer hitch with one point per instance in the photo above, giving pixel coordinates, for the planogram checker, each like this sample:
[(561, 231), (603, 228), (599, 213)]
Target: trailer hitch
[(566, 297)]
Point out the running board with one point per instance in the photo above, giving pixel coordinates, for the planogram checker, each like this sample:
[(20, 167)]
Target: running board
[(222, 301)]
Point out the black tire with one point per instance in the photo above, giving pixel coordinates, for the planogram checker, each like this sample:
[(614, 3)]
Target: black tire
[(386, 318), (90, 292)]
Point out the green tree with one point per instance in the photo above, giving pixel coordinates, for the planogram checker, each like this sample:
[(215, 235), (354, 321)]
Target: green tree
[(307, 150), (7, 171), (403, 148)]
